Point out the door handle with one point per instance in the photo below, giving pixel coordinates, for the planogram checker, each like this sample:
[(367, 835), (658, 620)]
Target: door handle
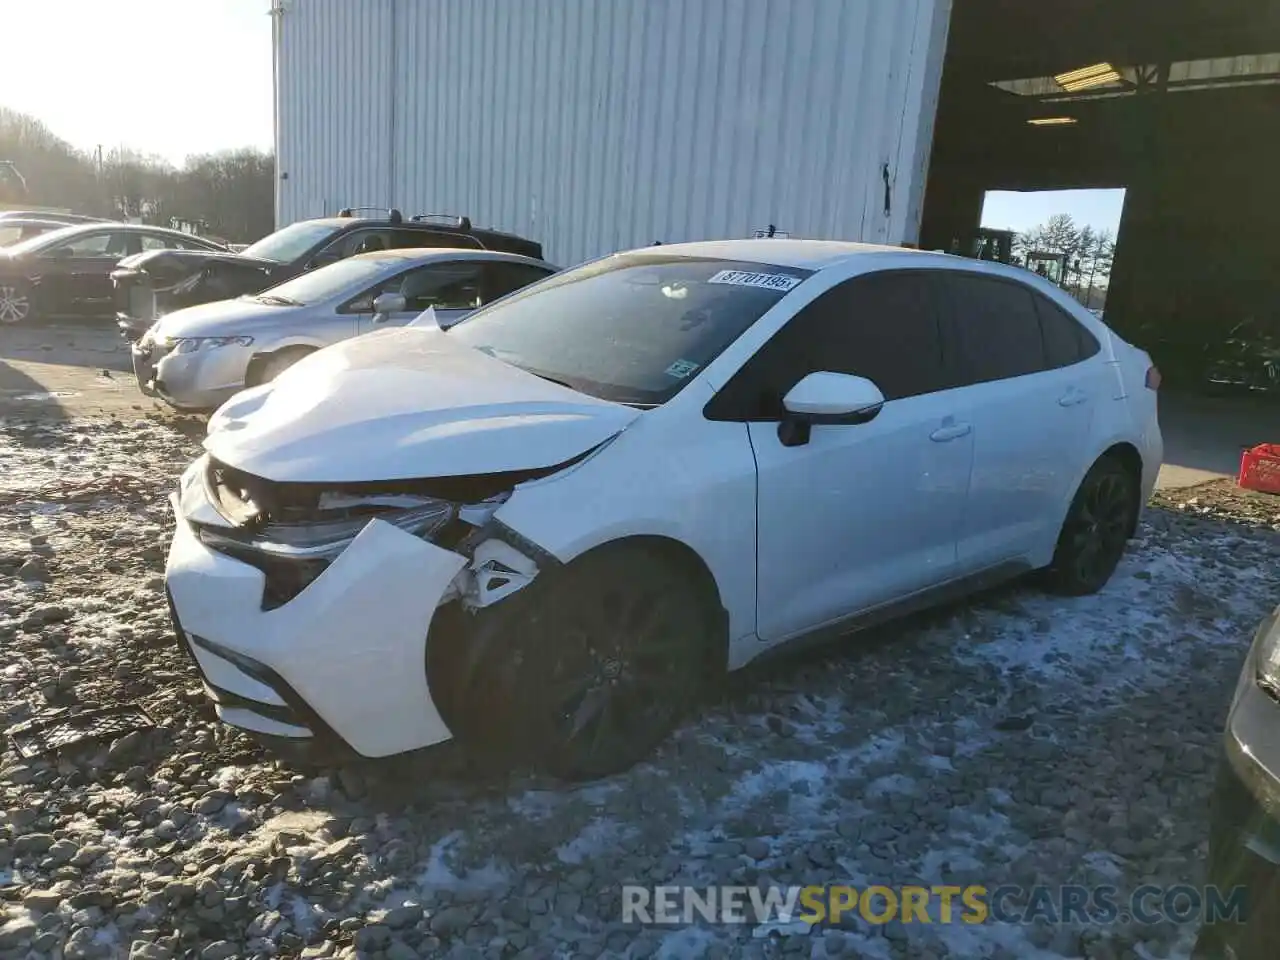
[(953, 431), (1072, 398)]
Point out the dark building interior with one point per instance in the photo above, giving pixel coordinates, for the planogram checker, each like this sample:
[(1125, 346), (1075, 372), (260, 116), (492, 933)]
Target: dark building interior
[(1178, 101)]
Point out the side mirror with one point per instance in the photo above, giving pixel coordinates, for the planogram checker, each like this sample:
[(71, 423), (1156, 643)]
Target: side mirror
[(385, 304), (827, 398)]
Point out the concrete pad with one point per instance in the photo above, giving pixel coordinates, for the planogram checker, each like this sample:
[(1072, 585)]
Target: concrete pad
[(1205, 436)]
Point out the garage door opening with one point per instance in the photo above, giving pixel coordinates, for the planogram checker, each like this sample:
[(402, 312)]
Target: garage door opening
[(1066, 236), (1177, 105)]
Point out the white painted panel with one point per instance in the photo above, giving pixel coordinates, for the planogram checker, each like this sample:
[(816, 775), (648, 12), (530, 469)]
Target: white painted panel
[(593, 125)]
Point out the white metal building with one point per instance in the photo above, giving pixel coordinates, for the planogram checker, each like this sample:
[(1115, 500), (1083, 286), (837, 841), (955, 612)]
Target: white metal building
[(594, 125)]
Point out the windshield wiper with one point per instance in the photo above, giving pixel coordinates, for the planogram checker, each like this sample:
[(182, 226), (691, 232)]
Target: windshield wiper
[(277, 301), (558, 383)]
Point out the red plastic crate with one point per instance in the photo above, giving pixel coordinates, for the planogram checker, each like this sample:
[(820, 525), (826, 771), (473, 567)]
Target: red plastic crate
[(1260, 468)]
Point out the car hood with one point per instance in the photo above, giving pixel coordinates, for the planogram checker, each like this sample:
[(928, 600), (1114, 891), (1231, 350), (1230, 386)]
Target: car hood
[(402, 404), (223, 318), (189, 260)]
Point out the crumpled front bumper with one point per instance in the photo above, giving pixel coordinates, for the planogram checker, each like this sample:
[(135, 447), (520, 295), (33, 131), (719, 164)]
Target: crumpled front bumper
[(203, 380), (344, 660)]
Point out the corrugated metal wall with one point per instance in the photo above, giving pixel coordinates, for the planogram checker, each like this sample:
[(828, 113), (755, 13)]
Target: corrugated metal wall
[(595, 125)]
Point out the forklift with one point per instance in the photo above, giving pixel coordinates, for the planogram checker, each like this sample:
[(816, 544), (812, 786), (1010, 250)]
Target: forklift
[(1054, 267), (985, 243)]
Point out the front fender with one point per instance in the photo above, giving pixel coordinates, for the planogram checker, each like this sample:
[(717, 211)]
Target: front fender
[(690, 481)]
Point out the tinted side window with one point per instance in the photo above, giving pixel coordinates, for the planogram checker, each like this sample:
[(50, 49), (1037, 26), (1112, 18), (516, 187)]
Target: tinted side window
[(447, 286), (359, 241), (1066, 341), (409, 238), (159, 241), (94, 245), (504, 278), (996, 326), (881, 327)]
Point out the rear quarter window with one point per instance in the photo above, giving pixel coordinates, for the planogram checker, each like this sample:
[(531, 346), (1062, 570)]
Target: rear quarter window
[(1066, 340)]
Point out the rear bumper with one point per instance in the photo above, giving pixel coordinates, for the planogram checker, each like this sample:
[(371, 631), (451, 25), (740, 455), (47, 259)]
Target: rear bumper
[(341, 666)]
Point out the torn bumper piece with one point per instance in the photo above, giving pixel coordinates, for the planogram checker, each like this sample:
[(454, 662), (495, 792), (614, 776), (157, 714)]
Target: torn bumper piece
[(341, 666)]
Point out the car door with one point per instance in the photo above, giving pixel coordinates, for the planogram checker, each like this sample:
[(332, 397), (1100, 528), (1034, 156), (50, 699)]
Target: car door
[(860, 515), (1030, 422), (78, 272)]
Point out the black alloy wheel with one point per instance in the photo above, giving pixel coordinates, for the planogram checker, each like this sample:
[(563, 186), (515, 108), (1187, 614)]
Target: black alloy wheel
[(1098, 525)]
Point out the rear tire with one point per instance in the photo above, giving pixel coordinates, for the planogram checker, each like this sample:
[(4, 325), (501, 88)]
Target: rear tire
[(1097, 528), (17, 302), (588, 668), (265, 368)]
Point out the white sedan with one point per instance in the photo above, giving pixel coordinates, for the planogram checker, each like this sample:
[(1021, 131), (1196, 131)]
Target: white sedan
[(552, 526)]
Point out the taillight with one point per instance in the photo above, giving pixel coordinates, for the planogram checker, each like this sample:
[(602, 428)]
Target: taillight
[(1153, 377)]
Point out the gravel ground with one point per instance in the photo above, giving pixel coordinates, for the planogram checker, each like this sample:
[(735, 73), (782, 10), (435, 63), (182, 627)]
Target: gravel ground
[(1015, 739)]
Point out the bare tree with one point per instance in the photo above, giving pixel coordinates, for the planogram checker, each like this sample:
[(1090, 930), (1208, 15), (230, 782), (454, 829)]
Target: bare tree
[(1098, 256), (229, 194)]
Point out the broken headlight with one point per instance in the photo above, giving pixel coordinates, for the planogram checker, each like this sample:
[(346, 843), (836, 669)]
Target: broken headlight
[(292, 555), (1267, 655), (325, 540)]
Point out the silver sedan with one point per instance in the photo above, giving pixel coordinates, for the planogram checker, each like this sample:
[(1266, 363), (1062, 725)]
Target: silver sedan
[(196, 358)]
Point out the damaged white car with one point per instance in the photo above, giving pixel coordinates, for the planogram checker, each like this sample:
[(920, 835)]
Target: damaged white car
[(553, 525)]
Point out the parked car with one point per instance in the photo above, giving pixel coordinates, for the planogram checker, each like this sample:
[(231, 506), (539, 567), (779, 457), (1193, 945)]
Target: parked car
[(549, 527), (16, 229), (153, 284), (1244, 835), (56, 216), (67, 272), (196, 358)]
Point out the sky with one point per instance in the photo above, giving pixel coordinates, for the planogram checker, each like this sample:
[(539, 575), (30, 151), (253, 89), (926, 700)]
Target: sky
[(1010, 210), (164, 77)]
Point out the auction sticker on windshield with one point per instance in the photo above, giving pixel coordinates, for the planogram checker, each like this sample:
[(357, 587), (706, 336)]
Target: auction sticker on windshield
[(769, 281), (681, 369)]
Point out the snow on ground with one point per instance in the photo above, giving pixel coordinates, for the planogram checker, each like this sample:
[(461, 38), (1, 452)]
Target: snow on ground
[(1013, 739)]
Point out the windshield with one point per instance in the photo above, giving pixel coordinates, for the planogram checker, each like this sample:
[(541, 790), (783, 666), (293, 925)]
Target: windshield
[(327, 282), (292, 242), (632, 328)]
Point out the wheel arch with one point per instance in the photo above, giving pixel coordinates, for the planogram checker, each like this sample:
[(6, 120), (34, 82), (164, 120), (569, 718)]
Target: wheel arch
[(1118, 448), (668, 550), (1128, 456), (254, 368)]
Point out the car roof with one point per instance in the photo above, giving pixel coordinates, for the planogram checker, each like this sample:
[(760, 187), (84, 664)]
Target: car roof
[(805, 254), (817, 255), (428, 254)]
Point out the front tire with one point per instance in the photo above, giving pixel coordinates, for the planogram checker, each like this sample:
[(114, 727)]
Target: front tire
[(591, 666), (1098, 525), (17, 302)]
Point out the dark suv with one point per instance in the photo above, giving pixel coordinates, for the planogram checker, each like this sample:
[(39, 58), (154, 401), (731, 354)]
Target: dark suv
[(151, 284)]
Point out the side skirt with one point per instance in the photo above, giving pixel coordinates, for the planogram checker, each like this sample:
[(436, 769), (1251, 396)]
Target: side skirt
[(925, 599)]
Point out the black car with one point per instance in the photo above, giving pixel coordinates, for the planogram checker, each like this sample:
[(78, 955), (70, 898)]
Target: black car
[(67, 272), (152, 284)]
